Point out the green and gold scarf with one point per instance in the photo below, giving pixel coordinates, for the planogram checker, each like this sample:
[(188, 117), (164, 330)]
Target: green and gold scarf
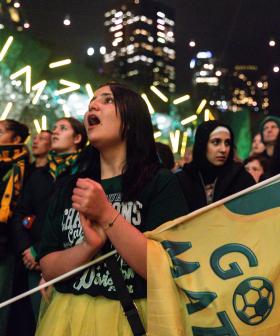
[(15, 157), (59, 163)]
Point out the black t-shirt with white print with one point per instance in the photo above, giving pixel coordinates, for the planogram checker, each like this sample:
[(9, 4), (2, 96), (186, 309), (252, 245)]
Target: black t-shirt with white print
[(160, 201)]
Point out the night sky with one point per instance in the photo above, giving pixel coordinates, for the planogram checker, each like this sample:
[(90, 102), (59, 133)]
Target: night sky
[(237, 31)]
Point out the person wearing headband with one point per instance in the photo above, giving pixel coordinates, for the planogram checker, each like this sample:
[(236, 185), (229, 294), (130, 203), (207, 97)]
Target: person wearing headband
[(213, 174)]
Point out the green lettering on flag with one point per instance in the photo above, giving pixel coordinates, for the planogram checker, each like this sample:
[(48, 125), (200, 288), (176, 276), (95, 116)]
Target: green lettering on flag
[(199, 300), (227, 329), (235, 269), (180, 267)]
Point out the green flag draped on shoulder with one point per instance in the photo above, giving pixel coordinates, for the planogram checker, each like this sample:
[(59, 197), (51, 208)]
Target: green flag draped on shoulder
[(217, 271)]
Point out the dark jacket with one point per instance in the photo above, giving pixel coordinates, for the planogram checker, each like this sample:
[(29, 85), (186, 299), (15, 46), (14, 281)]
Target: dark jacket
[(39, 189), (230, 181), (33, 202)]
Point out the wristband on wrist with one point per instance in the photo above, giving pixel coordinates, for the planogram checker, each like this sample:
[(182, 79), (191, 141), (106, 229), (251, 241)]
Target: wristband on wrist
[(108, 226)]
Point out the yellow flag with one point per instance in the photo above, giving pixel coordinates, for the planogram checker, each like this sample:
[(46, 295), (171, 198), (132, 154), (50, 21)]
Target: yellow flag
[(217, 271)]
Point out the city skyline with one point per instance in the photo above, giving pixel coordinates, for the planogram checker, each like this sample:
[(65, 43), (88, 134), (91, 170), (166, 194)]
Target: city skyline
[(236, 32)]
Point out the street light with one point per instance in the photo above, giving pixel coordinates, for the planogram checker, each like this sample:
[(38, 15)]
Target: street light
[(192, 44), (67, 20), (90, 51), (102, 50)]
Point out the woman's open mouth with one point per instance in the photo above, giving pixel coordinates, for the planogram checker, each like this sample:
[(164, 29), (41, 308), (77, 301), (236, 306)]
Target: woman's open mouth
[(93, 120)]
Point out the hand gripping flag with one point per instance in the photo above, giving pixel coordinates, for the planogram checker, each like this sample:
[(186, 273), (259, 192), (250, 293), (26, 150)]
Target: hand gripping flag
[(216, 271)]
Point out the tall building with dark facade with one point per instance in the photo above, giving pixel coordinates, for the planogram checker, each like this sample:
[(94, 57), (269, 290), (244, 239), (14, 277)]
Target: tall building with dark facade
[(140, 43), (229, 87), (250, 87)]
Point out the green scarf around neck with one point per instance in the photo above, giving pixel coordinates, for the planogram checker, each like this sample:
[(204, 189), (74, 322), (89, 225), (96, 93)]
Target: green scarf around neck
[(16, 158), (59, 163)]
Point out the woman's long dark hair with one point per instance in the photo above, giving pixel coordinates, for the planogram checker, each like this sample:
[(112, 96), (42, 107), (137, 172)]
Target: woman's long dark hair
[(136, 127)]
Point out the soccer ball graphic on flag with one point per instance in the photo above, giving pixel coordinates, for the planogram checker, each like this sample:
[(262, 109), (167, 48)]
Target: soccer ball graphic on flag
[(253, 300)]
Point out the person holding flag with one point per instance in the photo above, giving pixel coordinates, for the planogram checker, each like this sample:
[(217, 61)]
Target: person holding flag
[(120, 192)]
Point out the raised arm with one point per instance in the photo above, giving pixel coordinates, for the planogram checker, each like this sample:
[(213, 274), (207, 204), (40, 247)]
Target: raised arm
[(90, 199)]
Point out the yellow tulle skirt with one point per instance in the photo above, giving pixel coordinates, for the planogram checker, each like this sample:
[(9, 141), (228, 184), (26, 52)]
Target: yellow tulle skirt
[(83, 315)]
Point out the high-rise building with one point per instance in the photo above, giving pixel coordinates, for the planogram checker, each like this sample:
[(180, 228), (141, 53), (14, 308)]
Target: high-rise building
[(228, 88), (250, 87), (140, 43)]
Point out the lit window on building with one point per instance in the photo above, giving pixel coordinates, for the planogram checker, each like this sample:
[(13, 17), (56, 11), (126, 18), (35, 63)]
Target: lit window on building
[(132, 73), (119, 14), (114, 28), (160, 14), (170, 22), (160, 27), (117, 41), (160, 34), (118, 34), (161, 40), (119, 21), (147, 46), (161, 22)]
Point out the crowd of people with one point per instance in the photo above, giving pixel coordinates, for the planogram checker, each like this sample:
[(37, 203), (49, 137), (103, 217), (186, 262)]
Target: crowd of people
[(97, 187)]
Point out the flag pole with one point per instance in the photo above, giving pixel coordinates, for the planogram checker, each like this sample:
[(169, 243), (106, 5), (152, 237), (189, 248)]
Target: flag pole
[(59, 278), (158, 230)]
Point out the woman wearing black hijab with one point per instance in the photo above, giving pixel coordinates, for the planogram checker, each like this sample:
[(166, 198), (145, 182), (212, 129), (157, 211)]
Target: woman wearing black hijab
[(213, 174)]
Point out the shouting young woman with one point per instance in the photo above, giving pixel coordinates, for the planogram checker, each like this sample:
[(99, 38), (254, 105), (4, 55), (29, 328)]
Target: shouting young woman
[(120, 193)]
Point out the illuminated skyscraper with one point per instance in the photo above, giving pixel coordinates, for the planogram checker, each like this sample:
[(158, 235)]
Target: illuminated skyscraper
[(203, 66), (250, 87), (140, 43), (227, 87)]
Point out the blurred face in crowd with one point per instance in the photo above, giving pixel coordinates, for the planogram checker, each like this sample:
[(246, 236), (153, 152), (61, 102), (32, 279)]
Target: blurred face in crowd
[(257, 145), (218, 148), (270, 132), (103, 121), (7, 136), (64, 139), (188, 155), (41, 144), (255, 169)]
